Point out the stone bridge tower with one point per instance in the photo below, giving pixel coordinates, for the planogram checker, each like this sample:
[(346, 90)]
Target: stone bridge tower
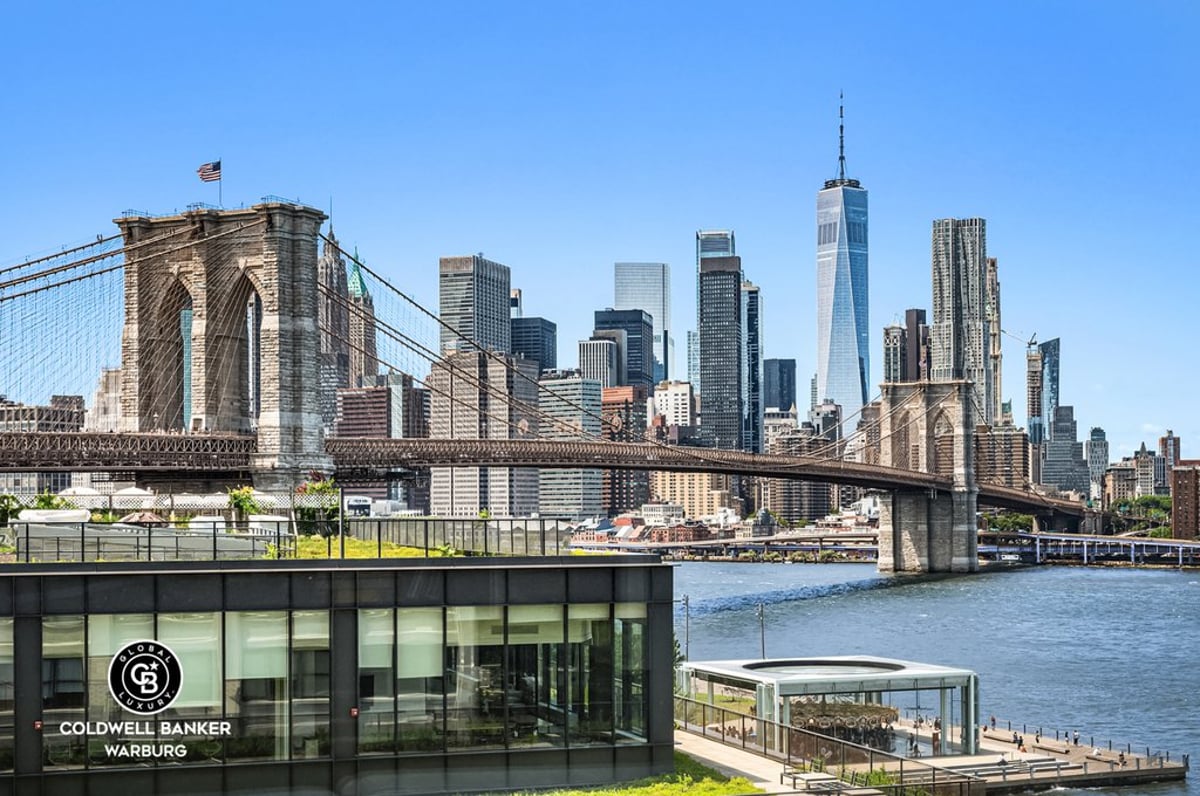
[(221, 331), (929, 427)]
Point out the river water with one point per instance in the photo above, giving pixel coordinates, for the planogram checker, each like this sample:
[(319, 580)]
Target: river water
[(1114, 653)]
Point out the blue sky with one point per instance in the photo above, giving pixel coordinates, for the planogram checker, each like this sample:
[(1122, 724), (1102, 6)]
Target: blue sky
[(558, 138)]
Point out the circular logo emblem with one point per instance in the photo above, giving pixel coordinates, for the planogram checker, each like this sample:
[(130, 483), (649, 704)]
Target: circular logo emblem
[(145, 677)]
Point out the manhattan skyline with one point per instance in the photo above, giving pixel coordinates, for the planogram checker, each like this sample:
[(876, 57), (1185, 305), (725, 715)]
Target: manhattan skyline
[(582, 138)]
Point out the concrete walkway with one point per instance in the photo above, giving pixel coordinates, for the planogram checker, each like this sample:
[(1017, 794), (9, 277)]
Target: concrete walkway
[(731, 761)]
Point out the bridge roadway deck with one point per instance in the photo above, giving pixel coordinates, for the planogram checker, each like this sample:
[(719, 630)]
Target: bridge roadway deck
[(232, 453)]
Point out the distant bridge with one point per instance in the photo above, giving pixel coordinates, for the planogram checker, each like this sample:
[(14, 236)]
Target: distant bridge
[(212, 454)]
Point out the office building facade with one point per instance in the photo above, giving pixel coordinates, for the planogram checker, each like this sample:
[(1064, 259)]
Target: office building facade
[(475, 299), (638, 327), (895, 352), (570, 410), (599, 360), (1063, 464), (916, 333), (779, 384), (693, 355), (364, 357), (390, 676), (624, 411), (752, 377), (647, 286), (721, 367), (476, 396), (536, 339), (1050, 353), (1096, 453), (333, 325)]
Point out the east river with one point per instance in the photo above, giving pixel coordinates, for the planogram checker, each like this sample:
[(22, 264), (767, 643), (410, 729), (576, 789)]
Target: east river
[(1114, 653)]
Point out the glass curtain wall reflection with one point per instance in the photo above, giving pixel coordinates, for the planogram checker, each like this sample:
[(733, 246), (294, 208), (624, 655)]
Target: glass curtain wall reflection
[(63, 695), (7, 696), (265, 672), (490, 677), (105, 636), (256, 685)]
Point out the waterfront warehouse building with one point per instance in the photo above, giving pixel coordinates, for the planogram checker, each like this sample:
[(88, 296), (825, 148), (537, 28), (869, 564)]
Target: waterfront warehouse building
[(333, 677)]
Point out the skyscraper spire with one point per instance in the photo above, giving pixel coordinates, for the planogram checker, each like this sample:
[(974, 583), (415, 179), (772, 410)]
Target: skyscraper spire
[(841, 138)]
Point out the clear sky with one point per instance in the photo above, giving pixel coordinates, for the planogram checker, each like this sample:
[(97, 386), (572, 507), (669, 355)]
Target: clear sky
[(558, 138)]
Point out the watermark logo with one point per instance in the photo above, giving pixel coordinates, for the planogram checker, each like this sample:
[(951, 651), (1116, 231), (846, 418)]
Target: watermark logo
[(145, 677)]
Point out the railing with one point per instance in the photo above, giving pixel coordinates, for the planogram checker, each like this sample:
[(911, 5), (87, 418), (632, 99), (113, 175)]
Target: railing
[(1140, 754), (217, 540), (806, 754)]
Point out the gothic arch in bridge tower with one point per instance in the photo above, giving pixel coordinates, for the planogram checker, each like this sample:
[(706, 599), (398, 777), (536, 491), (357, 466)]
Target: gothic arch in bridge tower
[(943, 445), (899, 440), (169, 380)]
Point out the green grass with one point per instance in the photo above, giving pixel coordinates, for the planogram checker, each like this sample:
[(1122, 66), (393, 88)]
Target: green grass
[(689, 779), (321, 547)]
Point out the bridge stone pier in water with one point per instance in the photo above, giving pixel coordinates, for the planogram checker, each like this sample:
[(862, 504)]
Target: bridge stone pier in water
[(928, 427)]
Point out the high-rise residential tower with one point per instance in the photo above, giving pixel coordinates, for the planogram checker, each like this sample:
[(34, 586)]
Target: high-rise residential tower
[(721, 351), (709, 243), (1051, 359), (752, 393), (647, 286), (475, 299), (995, 355), (843, 345), (1035, 421), (960, 336)]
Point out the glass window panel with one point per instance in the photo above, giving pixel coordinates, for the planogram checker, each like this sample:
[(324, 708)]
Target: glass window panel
[(6, 694), (475, 716), (420, 707), (63, 692), (310, 684), (196, 640), (256, 685), (376, 678), (590, 674), (629, 688), (536, 684), (105, 635)]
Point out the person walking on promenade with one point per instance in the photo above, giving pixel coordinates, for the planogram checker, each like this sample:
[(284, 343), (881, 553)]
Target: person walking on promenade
[(1077, 737), (993, 720)]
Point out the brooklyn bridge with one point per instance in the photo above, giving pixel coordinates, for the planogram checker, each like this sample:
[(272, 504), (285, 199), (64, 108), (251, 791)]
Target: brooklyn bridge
[(188, 405)]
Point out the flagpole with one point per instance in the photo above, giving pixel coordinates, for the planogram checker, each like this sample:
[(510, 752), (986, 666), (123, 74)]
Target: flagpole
[(221, 186)]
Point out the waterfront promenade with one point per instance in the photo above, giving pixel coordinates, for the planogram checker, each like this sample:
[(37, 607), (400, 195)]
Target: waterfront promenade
[(1048, 763)]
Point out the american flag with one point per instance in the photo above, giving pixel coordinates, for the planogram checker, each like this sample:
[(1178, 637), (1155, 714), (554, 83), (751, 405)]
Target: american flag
[(210, 172)]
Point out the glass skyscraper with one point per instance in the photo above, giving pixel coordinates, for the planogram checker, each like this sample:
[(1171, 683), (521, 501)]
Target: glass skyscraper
[(647, 286), (1050, 366), (752, 386), (721, 352), (843, 359), (475, 299)]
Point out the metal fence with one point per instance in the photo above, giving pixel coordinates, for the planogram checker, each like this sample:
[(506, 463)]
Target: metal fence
[(213, 538), (806, 755)]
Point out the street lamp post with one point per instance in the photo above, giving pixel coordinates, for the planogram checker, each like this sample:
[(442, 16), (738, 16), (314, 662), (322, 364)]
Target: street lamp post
[(762, 629)]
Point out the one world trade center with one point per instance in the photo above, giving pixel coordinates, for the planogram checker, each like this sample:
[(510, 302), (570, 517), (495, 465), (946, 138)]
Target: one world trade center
[(843, 362)]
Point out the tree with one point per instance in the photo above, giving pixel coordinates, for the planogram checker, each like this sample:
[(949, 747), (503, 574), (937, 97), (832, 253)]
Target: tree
[(1008, 522)]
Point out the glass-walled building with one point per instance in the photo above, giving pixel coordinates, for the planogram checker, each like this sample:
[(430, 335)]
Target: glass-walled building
[(394, 676)]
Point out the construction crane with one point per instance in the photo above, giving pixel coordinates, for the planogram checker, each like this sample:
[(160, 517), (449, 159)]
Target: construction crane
[(1030, 343)]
